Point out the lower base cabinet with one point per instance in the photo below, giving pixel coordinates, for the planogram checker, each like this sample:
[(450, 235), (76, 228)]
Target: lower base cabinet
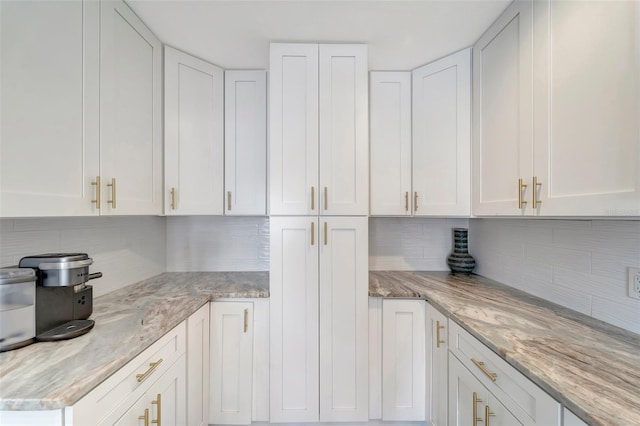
[(437, 366), (198, 367)]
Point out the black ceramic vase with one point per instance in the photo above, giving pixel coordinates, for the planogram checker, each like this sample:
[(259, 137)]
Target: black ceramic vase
[(460, 260)]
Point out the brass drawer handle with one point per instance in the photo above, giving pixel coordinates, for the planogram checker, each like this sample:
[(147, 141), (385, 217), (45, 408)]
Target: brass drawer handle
[(145, 417), (158, 404), (415, 201), (475, 409), (112, 201), (521, 187), (438, 327), (326, 198), (406, 201), (536, 186), (313, 233), (229, 200), (487, 414), (152, 367), (326, 237), (313, 198), (246, 320), (96, 183), (480, 365), (173, 198)]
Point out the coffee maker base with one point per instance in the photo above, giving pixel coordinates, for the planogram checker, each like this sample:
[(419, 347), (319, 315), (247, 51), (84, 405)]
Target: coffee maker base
[(68, 330)]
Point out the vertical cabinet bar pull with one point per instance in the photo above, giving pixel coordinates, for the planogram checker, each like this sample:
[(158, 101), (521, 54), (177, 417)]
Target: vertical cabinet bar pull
[(313, 233), (536, 185), (158, 404), (313, 198), (406, 201), (415, 201), (173, 198), (145, 417), (112, 201), (326, 238), (487, 414), (521, 187), (229, 200), (326, 198), (246, 320), (96, 183), (438, 327), (475, 409)]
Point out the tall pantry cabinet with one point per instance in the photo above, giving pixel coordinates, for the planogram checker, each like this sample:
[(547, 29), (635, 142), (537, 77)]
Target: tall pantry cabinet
[(319, 237)]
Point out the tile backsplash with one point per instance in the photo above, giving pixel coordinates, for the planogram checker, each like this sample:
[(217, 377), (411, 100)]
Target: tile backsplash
[(125, 249), (580, 264), (217, 243), (411, 243)]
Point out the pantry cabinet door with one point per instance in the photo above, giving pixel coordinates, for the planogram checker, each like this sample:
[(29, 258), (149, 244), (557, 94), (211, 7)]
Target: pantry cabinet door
[(442, 137), (293, 109), (403, 360), (390, 143), (502, 113), (344, 318), (130, 113), (587, 147), (293, 325), (245, 142), (344, 130), (49, 152), (194, 148)]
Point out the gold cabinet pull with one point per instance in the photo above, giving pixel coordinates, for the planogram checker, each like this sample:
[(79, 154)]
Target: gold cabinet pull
[(96, 183), (173, 198), (480, 365), (326, 198), (145, 417), (536, 185), (313, 198), (313, 233), (438, 327), (406, 201), (326, 238), (112, 201), (475, 409), (415, 201), (229, 200), (521, 187), (158, 404), (246, 320), (152, 367), (487, 414)]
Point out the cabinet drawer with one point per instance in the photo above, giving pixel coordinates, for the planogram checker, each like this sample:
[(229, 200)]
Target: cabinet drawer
[(132, 380), (521, 396)]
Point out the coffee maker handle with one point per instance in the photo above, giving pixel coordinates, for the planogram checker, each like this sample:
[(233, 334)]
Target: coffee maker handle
[(94, 276)]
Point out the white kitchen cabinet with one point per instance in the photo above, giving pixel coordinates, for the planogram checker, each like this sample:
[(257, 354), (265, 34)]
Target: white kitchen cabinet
[(586, 99), (503, 114), (509, 392), (318, 129), (570, 419), (194, 138), (130, 113), (231, 362), (403, 360), (472, 403), (245, 142), (390, 143), (50, 150), (319, 315), (437, 361), (442, 137), (198, 367)]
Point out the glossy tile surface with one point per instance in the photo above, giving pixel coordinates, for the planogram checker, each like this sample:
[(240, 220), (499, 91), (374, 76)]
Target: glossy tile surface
[(46, 376), (589, 366)]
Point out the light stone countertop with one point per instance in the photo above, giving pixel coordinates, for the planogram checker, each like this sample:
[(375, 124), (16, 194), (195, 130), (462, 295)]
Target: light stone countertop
[(48, 376), (591, 367)]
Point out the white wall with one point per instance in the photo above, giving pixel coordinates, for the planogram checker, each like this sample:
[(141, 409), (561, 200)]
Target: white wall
[(411, 244), (125, 249), (580, 264), (217, 243)]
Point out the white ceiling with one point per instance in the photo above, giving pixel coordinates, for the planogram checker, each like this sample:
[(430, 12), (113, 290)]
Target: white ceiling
[(401, 34)]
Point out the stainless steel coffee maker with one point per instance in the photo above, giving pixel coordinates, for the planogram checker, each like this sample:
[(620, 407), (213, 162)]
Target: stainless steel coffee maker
[(64, 301)]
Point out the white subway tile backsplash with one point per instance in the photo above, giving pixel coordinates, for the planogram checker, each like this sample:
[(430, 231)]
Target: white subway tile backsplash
[(580, 264)]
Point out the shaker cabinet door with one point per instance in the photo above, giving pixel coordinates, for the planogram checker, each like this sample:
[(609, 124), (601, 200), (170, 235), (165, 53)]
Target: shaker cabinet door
[(49, 153)]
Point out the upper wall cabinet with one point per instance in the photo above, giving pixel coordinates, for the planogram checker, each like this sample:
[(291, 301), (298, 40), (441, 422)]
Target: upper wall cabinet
[(245, 142), (130, 113), (429, 175), (49, 152), (442, 137), (318, 128), (502, 114), (587, 108), (194, 160)]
